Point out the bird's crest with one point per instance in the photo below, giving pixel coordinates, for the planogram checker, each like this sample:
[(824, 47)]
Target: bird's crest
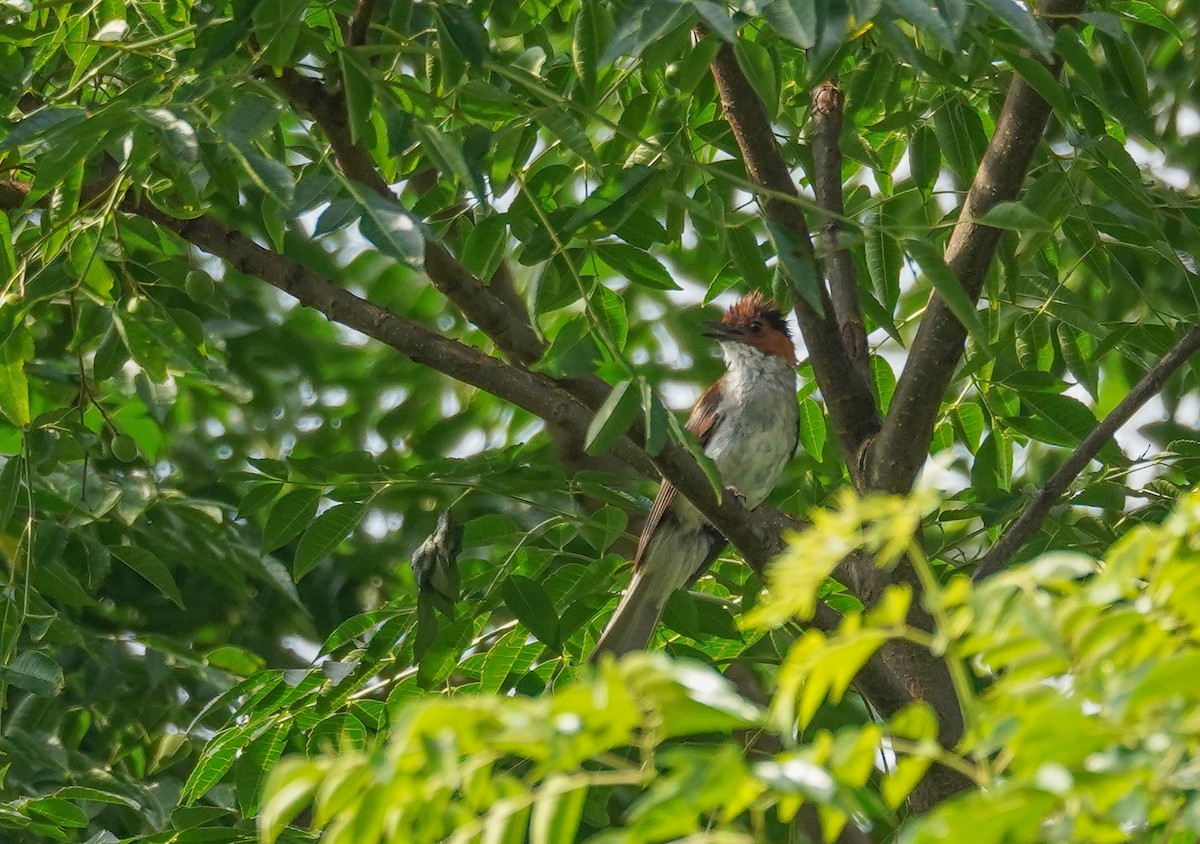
[(756, 306)]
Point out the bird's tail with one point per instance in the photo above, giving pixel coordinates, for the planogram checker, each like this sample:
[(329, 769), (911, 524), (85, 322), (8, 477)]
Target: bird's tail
[(636, 616)]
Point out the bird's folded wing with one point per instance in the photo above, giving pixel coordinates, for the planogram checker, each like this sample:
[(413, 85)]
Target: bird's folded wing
[(704, 417)]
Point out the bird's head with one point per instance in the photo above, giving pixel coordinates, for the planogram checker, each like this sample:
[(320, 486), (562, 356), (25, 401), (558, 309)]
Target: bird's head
[(756, 322)]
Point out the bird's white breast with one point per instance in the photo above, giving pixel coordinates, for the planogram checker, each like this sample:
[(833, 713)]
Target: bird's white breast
[(756, 433)]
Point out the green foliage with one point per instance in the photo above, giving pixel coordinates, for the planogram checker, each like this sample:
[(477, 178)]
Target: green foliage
[(1081, 723), (210, 495)]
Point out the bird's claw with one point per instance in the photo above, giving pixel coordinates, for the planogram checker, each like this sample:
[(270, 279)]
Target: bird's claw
[(735, 495)]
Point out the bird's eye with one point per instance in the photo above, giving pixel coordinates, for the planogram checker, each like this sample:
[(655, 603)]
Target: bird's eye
[(755, 327)]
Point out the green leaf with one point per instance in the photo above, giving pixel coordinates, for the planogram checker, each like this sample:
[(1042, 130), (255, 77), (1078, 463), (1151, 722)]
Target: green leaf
[(446, 155), (716, 18), (613, 418), (392, 228), (531, 606), (812, 428), (694, 448), (610, 314), (288, 790), (151, 568), (268, 174), (215, 761), (747, 257), (290, 515), (658, 425), (258, 497), (920, 14), (795, 20), (502, 658), (796, 259), (1039, 78), (256, 762), (883, 379), (1075, 358), (35, 672), (1020, 20), (612, 203), (637, 265), (486, 246), (177, 134), (465, 30), (15, 352), (586, 43), (1015, 216), (557, 810), (11, 482), (925, 158), (647, 24), (690, 698), (360, 91), (759, 66), (960, 136), (1061, 420), (277, 25), (325, 534), (884, 256), (563, 125), (991, 470), (58, 811), (8, 257), (949, 288), (969, 418)]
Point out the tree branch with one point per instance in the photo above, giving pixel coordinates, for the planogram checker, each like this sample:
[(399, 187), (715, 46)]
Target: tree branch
[(903, 443), (825, 139), (356, 31), (1035, 512), (751, 536), (850, 402), (513, 333), (755, 534), (919, 674)]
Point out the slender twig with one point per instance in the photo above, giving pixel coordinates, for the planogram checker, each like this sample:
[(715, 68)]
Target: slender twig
[(903, 443), (1035, 512), (825, 138)]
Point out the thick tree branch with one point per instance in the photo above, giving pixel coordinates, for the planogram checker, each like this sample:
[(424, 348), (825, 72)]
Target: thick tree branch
[(327, 106), (913, 669), (755, 534), (849, 399), (752, 537), (903, 444), (1035, 512), (513, 333), (825, 139), (356, 30)]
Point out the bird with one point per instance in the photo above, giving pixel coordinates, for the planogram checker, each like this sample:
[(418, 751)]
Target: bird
[(747, 423)]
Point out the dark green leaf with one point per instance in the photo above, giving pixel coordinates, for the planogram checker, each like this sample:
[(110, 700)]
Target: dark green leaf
[(290, 515), (795, 20), (468, 34), (150, 567), (613, 418), (325, 534), (950, 289), (35, 672), (636, 265), (528, 601)]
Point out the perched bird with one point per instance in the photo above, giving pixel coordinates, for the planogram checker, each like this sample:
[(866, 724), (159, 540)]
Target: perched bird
[(747, 424)]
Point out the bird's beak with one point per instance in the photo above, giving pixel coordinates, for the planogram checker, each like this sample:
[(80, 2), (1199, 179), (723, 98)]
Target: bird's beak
[(721, 331)]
